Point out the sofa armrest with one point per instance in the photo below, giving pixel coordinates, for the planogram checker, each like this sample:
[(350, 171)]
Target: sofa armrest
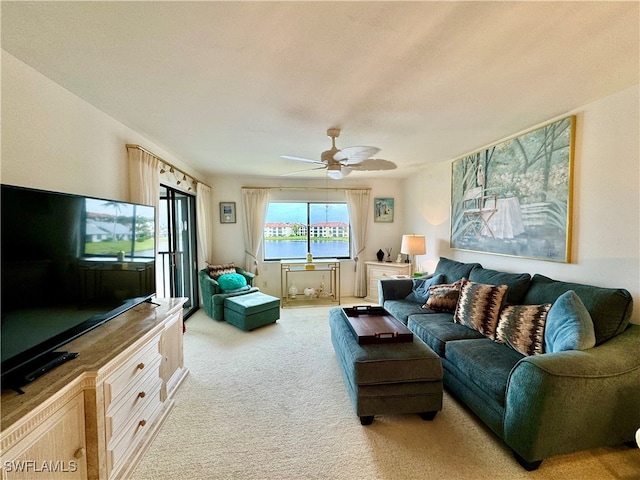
[(248, 275), (208, 286), (562, 402), (393, 289)]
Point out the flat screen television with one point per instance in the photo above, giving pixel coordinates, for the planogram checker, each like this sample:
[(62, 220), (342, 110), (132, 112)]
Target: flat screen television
[(69, 264)]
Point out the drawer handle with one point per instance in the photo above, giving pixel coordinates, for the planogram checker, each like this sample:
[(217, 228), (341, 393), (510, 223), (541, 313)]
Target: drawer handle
[(141, 395), (140, 366), (79, 453), (142, 423)]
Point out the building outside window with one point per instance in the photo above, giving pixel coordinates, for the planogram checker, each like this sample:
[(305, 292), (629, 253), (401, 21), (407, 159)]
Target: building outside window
[(292, 229)]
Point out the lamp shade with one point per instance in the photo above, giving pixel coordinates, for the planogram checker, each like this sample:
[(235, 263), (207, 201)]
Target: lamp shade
[(413, 245)]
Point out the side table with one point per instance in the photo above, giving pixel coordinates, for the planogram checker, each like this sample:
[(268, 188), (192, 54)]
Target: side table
[(377, 271)]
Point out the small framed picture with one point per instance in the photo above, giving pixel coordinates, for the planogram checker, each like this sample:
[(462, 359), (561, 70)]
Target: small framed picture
[(227, 212), (383, 210)]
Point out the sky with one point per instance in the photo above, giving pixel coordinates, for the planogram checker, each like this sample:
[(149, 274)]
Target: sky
[(297, 212)]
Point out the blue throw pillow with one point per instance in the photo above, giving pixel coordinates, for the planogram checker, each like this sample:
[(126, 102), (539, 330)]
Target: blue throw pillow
[(569, 325), (420, 290), (231, 281)]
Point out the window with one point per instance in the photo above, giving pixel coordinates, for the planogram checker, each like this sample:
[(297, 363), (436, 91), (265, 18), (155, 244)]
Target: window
[(293, 229)]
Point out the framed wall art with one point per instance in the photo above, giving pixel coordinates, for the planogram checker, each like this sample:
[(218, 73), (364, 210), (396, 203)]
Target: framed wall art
[(514, 198), (383, 210), (227, 212)]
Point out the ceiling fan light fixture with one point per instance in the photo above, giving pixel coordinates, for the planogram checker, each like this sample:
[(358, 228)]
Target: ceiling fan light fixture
[(334, 171)]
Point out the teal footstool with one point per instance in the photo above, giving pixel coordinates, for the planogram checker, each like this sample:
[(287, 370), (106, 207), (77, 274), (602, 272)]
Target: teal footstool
[(252, 310)]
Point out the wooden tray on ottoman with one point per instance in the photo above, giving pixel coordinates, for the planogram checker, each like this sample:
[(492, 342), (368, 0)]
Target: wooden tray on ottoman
[(373, 324)]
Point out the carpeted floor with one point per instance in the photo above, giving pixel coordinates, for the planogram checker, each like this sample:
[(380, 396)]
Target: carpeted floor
[(271, 404)]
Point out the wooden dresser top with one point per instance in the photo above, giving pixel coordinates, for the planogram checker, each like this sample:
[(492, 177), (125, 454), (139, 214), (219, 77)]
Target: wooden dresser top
[(96, 349)]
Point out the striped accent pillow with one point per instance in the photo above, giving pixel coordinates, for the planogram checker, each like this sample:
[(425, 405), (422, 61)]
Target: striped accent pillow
[(479, 306), (216, 271), (522, 327)]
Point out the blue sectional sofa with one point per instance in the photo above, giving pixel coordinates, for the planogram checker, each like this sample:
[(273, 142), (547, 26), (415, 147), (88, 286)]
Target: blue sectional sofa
[(540, 404)]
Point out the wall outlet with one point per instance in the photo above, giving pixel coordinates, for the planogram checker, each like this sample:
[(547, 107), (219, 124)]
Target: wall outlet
[(264, 284)]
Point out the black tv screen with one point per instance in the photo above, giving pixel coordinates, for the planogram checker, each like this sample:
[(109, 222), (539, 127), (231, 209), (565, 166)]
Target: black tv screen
[(69, 264)]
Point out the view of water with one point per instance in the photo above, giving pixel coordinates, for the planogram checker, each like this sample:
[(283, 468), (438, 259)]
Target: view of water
[(298, 249)]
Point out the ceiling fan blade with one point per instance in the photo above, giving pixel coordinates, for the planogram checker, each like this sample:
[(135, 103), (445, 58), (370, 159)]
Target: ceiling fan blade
[(301, 159), (353, 155), (374, 164), (302, 171)]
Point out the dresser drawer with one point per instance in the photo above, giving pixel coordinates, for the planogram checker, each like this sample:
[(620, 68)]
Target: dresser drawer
[(119, 448), (131, 371), (132, 401)]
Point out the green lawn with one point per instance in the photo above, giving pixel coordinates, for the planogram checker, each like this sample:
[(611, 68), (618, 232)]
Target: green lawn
[(112, 248)]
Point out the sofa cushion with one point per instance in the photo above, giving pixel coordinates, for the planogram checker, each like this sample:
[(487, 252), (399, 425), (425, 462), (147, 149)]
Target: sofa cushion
[(443, 297), (401, 309), (569, 325), (518, 283), (215, 271), (479, 306), (610, 308), (521, 327), (485, 363), (454, 271), (436, 329), (231, 282), (420, 290)]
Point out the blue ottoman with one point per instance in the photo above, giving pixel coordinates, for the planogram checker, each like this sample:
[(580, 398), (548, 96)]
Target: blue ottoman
[(252, 310), (387, 379)]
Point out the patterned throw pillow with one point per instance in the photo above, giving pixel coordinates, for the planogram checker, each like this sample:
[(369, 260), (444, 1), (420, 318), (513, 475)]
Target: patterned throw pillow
[(216, 270), (444, 297), (522, 328), (479, 306)]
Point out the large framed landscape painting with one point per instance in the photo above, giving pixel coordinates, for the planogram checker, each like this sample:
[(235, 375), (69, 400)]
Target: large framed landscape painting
[(514, 198)]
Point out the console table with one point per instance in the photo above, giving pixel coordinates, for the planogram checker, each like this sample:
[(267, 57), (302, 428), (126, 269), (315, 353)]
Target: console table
[(94, 416), (310, 274)]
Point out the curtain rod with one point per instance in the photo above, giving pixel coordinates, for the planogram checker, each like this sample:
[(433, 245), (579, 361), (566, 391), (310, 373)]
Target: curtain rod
[(311, 188), (168, 164)]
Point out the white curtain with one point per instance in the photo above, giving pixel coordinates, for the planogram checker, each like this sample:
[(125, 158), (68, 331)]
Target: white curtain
[(358, 206), (144, 179), (256, 202), (204, 220), (144, 184)]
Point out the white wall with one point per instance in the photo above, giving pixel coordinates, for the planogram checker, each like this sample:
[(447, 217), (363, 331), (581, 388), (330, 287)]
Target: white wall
[(52, 139), (228, 238), (606, 196)]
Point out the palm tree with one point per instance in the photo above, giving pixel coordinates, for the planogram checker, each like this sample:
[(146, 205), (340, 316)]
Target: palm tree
[(116, 206)]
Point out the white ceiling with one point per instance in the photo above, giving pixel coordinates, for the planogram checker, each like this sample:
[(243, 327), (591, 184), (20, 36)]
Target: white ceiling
[(228, 87)]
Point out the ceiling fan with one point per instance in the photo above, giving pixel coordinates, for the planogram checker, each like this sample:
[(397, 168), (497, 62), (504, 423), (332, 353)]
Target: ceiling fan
[(341, 162)]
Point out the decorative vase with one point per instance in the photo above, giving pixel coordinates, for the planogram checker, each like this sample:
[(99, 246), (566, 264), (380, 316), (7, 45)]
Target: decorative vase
[(309, 292), (380, 255), (293, 291)]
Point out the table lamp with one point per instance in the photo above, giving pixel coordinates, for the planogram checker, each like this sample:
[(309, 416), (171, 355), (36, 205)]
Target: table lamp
[(413, 245)]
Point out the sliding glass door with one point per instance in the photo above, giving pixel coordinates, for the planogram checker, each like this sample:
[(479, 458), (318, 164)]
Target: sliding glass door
[(177, 275)]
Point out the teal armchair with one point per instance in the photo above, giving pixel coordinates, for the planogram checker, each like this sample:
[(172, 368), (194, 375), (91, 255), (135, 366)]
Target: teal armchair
[(213, 297)]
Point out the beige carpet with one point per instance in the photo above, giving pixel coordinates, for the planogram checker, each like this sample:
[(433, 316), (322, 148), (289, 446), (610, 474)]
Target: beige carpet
[(271, 404)]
